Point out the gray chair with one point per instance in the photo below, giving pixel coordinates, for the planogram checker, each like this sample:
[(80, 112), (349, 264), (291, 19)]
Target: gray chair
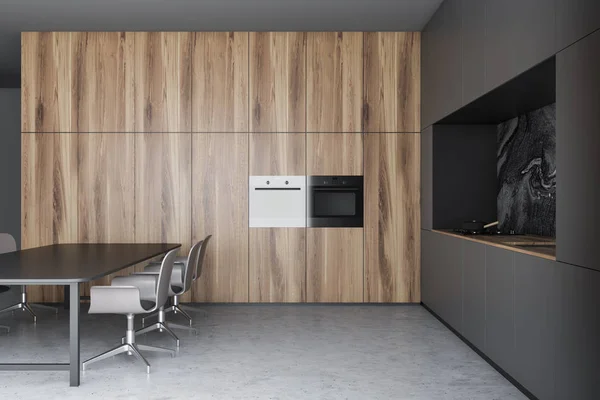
[(181, 279), (151, 293), (7, 245), (184, 263)]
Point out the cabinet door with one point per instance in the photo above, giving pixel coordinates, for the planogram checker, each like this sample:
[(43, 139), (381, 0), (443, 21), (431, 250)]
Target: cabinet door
[(334, 154), (277, 265), (442, 63), (449, 277), (535, 324), (392, 86), (473, 50), (162, 81), (334, 81), (392, 218), (429, 271), (575, 19), (499, 307), (277, 81), (220, 82), (334, 265), (277, 154), (578, 152), (519, 35), (473, 301), (220, 208), (46, 82), (49, 197), (427, 178), (577, 361)]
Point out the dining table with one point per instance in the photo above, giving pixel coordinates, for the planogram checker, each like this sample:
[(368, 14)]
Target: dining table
[(70, 265)]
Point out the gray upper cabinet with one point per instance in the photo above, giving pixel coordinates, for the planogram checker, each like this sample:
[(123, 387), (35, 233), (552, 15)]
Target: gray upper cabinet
[(536, 324), (575, 19), (578, 153), (578, 353), (499, 307), (519, 34), (441, 63), (473, 49), (473, 326)]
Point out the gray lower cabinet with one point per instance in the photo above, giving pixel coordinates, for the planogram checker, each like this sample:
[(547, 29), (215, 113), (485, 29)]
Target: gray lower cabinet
[(578, 153), (536, 324), (499, 307), (575, 19), (429, 284), (578, 351), (519, 34), (473, 303)]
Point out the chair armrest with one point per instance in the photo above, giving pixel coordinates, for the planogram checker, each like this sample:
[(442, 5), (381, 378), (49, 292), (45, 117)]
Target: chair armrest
[(115, 300), (146, 284)]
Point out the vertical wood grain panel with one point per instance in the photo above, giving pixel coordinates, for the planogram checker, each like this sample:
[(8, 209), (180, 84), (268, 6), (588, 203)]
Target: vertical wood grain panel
[(277, 265), (162, 188), (334, 264), (334, 84), (220, 82), (46, 82), (102, 72), (334, 154), (278, 81), (49, 197), (163, 81), (277, 153), (220, 208), (392, 82), (392, 218), (106, 181)]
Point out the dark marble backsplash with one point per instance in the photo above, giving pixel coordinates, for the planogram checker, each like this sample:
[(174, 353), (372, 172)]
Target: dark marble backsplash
[(527, 173)]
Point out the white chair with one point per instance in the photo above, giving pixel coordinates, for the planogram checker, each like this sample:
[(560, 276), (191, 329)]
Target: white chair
[(7, 245), (149, 295)]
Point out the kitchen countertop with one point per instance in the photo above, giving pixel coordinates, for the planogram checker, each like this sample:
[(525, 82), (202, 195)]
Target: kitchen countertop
[(533, 245)]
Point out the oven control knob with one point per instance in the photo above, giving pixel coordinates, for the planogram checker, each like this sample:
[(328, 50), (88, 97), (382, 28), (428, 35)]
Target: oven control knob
[(268, 182), (287, 183)]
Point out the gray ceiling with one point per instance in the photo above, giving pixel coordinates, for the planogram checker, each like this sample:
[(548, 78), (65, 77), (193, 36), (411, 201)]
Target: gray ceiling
[(202, 15)]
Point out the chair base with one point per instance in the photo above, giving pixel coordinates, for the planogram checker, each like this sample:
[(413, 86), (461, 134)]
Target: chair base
[(175, 309), (25, 306), (129, 346)]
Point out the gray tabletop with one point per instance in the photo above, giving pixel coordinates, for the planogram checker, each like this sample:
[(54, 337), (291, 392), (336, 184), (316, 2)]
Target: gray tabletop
[(72, 263)]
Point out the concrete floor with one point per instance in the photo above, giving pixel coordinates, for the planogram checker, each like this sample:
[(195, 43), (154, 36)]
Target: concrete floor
[(260, 352)]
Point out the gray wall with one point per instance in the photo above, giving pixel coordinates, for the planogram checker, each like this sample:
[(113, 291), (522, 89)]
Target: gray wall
[(10, 172)]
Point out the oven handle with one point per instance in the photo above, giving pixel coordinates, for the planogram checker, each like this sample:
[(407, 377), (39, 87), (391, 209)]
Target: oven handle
[(335, 189)]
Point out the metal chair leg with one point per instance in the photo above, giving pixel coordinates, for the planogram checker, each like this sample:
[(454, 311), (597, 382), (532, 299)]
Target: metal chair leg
[(155, 349), (28, 309), (154, 314), (155, 327), (136, 352), (124, 348), (44, 307), (11, 308), (178, 326), (186, 315)]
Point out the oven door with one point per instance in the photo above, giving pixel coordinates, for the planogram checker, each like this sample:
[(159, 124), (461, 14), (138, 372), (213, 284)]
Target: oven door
[(335, 207)]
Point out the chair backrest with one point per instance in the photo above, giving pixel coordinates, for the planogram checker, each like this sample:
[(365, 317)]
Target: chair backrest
[(190, 266), (201, 257), (7, 243), (164, 278)]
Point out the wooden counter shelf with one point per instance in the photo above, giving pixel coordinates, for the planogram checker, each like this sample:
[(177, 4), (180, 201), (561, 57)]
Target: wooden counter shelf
[(513, 242)]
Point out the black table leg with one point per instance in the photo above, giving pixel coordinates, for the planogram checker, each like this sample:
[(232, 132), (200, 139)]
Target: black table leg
[(74, 358)]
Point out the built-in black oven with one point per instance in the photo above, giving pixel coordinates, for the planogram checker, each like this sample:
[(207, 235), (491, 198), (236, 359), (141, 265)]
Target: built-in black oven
[(335, 201)]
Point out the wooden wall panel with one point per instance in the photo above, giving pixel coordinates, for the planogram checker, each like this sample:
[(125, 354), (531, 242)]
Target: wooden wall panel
[(334, 154), (49, 197), (163, 169), (334, 83), (392, 82), (102, 65), (334, 265), (220, 208), (277, 154), (277, 268), (392, 218), (162, 81), (46, 82), (278, 81), (106, 183), (220, 82)]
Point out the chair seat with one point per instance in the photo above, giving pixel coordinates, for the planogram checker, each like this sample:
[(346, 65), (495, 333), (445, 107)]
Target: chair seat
[(118, 300)]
